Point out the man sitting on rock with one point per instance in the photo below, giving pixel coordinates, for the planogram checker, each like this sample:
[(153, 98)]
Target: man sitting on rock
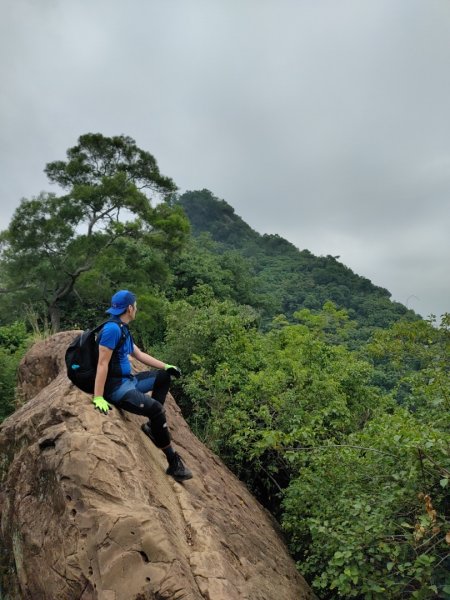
[(129, 392)]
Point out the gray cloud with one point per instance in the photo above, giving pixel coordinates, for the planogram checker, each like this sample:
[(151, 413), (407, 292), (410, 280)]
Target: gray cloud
[(324, 122)]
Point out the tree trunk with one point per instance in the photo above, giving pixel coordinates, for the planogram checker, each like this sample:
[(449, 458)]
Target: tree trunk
[(55, 317)]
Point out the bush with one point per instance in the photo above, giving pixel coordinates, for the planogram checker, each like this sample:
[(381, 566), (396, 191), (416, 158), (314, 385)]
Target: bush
[(370, 519), (14, 342), (358, 480)]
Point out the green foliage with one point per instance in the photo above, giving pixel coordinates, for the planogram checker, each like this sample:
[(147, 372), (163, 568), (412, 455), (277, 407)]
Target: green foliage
[(413, 358), (200, 331), (374, 512), (285, 279), (96, 159), (150, 325), (228, 274), (208, 213), (359, 483), (14, 341), (53, 240), (13, 337)]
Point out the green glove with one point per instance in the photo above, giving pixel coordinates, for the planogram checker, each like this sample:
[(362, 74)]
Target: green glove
[(173, 370), (101, 404)]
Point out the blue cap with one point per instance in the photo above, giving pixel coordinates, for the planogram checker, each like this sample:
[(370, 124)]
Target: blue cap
[(121, 301)]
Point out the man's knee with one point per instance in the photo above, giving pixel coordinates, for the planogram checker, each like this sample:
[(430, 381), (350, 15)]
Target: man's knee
[(160, 430), (158, 424), (163, 377), (137, 402)]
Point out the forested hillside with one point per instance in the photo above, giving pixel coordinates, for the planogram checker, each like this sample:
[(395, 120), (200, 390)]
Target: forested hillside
[(330, 401), (286, 278)]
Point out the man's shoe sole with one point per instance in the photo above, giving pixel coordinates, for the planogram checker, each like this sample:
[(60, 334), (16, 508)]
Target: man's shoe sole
[(180, 479), (178, 476)]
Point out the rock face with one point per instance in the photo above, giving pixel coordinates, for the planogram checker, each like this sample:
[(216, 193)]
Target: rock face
[(87, 511)]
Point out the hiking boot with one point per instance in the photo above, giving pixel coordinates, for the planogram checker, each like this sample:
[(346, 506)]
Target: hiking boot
[(148, 432), (177, 469)]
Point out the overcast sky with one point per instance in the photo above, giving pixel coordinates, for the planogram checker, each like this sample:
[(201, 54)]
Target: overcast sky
[(325, 121)]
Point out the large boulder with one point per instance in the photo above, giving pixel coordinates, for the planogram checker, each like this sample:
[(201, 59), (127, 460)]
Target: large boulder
[(87, 511)]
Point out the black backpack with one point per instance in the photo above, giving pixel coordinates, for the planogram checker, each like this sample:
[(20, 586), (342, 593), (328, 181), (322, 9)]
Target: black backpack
[(82, 356)]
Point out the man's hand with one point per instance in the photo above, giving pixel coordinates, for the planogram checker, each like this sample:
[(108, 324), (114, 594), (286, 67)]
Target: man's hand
[(173, 370), (100, 403)]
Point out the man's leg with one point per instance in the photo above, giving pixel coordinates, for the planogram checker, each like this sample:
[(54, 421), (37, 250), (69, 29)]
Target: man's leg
[(138, 403), (147, 381), (158, 382)]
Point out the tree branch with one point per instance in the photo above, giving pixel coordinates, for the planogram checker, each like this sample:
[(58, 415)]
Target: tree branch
[(67, 287), (12, 290), (440, 467), (99, 217)]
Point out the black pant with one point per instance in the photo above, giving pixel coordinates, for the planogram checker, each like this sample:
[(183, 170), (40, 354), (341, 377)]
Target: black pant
[(136, 401)]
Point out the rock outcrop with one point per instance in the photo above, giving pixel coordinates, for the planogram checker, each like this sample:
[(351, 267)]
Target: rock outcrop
[(87, 511)]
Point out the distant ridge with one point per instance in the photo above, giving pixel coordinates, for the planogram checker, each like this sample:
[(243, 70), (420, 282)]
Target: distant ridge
[(294, 278)]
